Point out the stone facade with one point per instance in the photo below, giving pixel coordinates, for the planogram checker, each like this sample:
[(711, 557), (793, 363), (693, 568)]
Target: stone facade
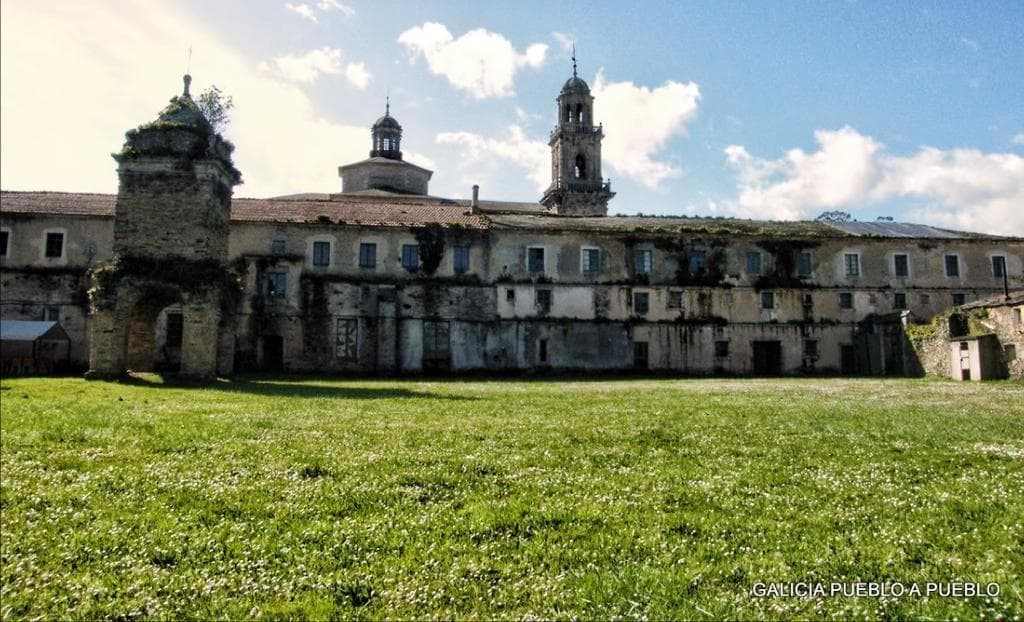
[(386, 279)]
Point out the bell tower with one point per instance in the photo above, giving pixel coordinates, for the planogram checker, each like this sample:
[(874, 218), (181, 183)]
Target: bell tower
[(577, 188)]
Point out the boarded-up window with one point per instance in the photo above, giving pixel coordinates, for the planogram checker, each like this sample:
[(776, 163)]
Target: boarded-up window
[(436, 345), (346, 340)]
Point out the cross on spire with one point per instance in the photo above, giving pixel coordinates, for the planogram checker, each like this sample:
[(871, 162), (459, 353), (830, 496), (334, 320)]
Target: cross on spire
[(387, 104)]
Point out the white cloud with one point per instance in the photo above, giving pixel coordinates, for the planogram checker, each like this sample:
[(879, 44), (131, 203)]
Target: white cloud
[(639, 121), (303, 10), (334, 5), (480, 63), (959, 188), (476, 151), (306, 68), (564, 41), (1018, 139), (53, 142)]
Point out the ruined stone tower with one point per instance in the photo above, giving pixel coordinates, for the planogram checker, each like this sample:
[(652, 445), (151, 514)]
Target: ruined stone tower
[(577, 188), (171, 224)]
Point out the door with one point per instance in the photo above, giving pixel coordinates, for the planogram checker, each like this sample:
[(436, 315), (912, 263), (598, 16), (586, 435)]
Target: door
[(273, 352), (436, 346), (767, 358), (847, 360), (640, 351)]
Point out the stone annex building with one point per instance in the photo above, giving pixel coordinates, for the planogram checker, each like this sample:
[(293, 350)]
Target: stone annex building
[(174, 274)]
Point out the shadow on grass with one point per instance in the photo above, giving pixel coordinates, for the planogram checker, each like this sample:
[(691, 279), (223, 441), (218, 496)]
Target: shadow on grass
[(307, 387)]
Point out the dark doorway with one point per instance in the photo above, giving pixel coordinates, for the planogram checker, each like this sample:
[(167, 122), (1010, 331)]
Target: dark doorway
[(640, 351), (436, 346), (767, 358), (273, 352), (847, 360), (144, 349)]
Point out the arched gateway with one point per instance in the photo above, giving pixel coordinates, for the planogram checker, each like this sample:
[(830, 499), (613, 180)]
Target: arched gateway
[(168, 295)]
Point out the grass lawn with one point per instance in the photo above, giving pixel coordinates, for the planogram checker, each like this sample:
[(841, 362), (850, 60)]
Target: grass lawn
[(291, 497)]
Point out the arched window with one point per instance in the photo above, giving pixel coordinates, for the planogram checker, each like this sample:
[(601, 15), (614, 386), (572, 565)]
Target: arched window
[(579, 113), (581, 167), (387, 144), (568, 113)]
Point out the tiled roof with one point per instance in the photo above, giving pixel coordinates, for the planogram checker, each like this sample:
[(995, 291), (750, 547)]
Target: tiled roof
[(64, 203), (665, 224), (375, 211)]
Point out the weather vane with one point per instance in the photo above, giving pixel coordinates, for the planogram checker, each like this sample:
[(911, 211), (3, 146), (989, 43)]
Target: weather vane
[(574, 59)]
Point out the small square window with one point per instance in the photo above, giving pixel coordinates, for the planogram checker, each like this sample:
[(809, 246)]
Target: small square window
[(367, 255), (901, 265), (952, 265), (721, 349), (846, 300), (460, 259), (535, 259), (510, 295), (644, 261), (808, 301), (321, 254), (52, 313), (1009, 352), (54, 245), (411, 257), (767, 300), (641, 303), (803, 264), (852, 263), (810, 347), (899, 300), (278, 246), (698, 262), (959, 299), (675, 300), (998, 266), (590, 260), (5, 236), (277, 284), (925, 299), (753, 263), (543, 303)]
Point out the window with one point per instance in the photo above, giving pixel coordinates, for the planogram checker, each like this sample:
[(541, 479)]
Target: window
[(641, 303), (411, 257), (5, 236), (460, 259), (675, 300), (721, 349), (998, 266), (321, 253), (510, 295), (277, 284), (899, 300), (852, 263), (543, 302), (278, 246), (846, 300), (753, 263), (535, 259), (901, 265), (1009, 352), (54, 245), (52, 313), (959, 299), (952, 265), (542, 351), (367, 255), (810, 347), (698, 262), (1017, 316), (803, 264), (808, 301), (644, 261), (581, 167), (346, 339), (590, 260), (767, 300), (925, 299)]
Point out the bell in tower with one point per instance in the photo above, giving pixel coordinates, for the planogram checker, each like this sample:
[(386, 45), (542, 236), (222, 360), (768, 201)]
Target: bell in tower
[(577, 188)]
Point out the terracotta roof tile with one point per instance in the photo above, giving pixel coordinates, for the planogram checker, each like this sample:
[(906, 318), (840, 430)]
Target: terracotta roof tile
[(370, 211)]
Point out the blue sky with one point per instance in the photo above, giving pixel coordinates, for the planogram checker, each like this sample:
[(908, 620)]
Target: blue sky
[(913, 110)]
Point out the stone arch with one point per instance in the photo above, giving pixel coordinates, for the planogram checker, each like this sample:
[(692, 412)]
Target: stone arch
[(581, 166), (142, 335)]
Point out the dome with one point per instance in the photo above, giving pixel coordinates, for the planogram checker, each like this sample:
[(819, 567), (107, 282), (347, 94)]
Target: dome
[(387, 121), (575, 85), (183, 111)]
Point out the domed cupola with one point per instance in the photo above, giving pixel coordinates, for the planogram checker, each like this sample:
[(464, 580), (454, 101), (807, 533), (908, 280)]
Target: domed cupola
[(387, 136)]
